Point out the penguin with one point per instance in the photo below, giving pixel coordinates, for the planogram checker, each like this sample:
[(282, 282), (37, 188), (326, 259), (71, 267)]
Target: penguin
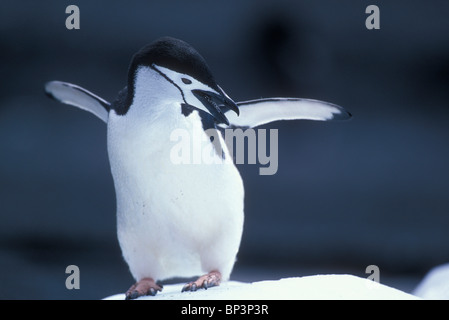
[(178, 220)]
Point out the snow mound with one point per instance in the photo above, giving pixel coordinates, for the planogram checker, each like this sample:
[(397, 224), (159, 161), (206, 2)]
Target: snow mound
[(318, 287), (435, 284)]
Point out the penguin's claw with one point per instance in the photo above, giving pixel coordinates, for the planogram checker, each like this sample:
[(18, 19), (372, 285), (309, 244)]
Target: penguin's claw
[(144, 287), (191, 286), (211, 279)]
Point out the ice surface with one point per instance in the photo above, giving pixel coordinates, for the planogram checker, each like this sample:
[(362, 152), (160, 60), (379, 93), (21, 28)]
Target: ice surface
[(318, 287), (435, 284)]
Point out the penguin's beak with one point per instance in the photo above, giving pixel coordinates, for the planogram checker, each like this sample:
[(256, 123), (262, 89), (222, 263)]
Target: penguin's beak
[(217, 103)]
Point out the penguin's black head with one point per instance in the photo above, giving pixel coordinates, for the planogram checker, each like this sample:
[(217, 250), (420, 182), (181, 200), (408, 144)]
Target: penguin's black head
[(176, 55), (183, 67)]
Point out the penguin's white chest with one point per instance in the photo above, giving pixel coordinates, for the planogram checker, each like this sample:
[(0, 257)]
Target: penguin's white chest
[(173, 219)]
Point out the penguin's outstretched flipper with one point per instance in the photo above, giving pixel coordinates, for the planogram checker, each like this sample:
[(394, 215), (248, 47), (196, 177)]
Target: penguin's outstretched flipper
[(79, 97), (258, 112)]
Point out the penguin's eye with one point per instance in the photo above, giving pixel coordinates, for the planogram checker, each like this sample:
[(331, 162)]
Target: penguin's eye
[(186, 81)]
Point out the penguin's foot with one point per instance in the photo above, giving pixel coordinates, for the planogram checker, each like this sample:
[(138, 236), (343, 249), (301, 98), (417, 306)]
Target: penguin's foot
[(211, 279), (144, 287)]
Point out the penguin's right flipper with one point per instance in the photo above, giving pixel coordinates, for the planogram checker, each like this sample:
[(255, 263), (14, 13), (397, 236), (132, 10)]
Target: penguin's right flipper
[(258, 112), (79, 97)]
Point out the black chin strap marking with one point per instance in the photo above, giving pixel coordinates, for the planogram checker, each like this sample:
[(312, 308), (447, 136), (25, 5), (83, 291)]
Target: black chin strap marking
[(169, 80), (207, 120)]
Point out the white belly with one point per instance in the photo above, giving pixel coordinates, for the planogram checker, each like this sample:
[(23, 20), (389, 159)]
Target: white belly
[(173, 220)]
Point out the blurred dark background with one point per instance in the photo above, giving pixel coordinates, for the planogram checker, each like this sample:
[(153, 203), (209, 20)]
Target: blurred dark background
[(374, 190)]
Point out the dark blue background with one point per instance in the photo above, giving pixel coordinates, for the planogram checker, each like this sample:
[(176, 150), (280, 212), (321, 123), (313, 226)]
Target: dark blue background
[(374, 190)]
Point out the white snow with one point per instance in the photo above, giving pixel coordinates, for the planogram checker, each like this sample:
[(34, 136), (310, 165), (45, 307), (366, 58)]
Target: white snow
[(435, 284), (318, 287)]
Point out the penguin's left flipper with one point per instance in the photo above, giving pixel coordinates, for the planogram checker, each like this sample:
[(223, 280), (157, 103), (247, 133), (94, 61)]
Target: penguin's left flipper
[(79, 97), (258, 112)]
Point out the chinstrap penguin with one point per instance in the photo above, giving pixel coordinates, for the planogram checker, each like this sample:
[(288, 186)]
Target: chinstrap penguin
[(178, 220)]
